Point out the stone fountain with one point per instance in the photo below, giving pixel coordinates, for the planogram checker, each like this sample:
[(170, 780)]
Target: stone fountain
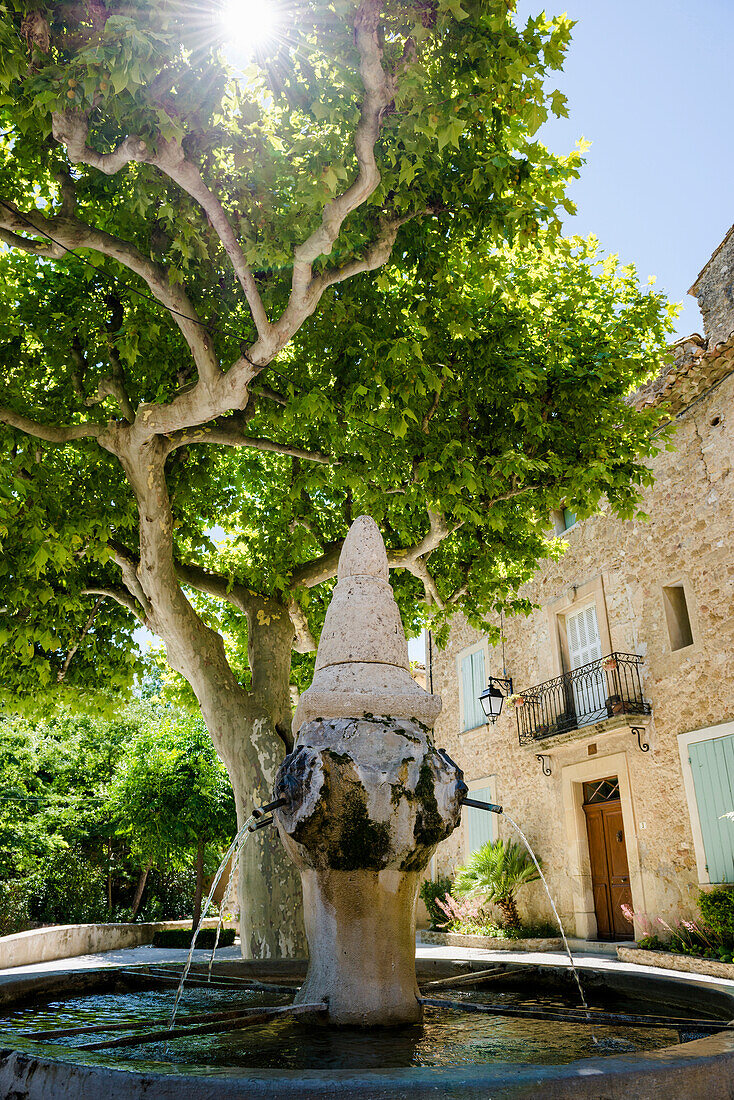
[(367, 797), (363, 800)]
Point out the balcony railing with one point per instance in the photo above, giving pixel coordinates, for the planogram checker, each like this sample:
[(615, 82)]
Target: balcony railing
[(602, 689)]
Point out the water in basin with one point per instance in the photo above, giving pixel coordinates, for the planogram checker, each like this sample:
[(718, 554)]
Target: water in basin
[(445, 1038)]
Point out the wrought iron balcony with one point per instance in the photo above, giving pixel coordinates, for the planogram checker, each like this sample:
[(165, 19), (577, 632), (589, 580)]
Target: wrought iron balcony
[(602, 689)]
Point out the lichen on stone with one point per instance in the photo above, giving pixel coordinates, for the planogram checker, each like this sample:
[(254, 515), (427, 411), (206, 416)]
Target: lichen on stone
[(362, 843), (429, 827)]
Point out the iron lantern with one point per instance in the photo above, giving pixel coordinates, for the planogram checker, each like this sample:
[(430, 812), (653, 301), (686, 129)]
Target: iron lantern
[(494, 696)]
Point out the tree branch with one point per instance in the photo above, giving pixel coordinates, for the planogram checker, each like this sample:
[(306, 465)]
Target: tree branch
[(87, 626), (64, 234), (304, 640), (52, 433), (229, 434), (379, 88), (419, 569), (128, 564), (112, 386), (120, 595), (311, 573), (71, 129), (438, 531)]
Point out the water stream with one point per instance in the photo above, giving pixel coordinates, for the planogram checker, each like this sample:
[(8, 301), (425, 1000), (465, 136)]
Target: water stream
[(575, 972), (225, 900), (235, 846)]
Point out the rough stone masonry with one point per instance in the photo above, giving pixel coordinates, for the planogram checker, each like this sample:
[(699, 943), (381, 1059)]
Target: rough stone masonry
[(368, 798)]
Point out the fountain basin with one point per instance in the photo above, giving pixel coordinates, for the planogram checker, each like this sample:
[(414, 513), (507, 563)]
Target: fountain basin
[(32, 1069)]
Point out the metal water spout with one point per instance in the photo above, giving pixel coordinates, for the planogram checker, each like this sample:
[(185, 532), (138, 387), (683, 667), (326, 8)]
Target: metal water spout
[(367, 798)]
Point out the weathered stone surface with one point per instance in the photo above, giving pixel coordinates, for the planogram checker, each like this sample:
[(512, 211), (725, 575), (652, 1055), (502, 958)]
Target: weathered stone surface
[(368, 798), (366, 794), (491, 943), (668, 960), (362, 661), (714, 288)]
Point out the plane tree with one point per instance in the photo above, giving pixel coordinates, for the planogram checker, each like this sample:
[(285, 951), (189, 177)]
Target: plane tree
[(269, 303)]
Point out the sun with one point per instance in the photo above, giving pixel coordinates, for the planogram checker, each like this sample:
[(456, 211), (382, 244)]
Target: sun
[(249, 26)]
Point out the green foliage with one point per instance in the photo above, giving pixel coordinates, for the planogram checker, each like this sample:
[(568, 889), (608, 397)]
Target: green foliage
[(181, 937), (171, 791), (496, 872), (67, 832), (429, 891), (473, 916), (717, 910), (169, 894), (482, 375), (16, 897), (712, 937), (71, 890)]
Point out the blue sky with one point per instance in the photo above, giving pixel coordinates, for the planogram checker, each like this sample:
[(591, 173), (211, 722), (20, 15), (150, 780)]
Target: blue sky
[(650, 84)]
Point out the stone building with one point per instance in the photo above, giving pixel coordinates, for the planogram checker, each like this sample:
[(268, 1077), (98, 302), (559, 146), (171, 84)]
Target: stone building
[(619, 761)]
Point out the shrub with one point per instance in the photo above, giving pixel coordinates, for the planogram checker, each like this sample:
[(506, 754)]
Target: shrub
[(652, 943), (169, 896), (717, 910), (497, 871), (430, 891), (70, 890), (181, 937), (15, 902), (466, 916)]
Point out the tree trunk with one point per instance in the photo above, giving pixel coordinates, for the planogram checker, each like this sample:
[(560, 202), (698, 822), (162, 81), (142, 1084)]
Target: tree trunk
[(250, 729), (252, 732), (109, 877), (139, 889), (508, 909), (199, 884)]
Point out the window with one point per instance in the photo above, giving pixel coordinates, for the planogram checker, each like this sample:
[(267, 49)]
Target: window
[(472, 685), (584, 646), (601, 790), (563, 519), (676, 615), (712, 766), (480, 826)]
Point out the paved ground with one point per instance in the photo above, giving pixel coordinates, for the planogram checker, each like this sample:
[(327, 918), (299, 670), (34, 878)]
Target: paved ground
[(596, 956)]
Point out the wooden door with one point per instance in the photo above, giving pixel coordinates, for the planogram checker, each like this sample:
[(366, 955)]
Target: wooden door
[(610, 881)]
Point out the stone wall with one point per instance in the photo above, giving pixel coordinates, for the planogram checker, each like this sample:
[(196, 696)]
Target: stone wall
[(714, 289), (65, 941), (623, 567)]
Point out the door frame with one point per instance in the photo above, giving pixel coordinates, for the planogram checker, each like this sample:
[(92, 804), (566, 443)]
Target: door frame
[(573, 777)]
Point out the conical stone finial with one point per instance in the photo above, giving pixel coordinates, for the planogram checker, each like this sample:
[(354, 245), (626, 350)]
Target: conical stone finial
[(362, 660)]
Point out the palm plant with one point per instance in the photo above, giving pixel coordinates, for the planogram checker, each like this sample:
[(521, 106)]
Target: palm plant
[(497, 871)]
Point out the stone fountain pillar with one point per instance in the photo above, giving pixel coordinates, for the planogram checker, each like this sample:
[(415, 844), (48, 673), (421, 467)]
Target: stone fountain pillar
[(369, 798)]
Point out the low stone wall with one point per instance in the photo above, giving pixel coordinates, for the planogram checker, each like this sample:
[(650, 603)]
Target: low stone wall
[(490, 943), (63, 941), (667, 960)]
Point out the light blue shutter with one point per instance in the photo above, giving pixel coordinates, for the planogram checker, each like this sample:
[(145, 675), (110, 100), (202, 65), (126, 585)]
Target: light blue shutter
[(480, 823), (472, 684), (712, 764)]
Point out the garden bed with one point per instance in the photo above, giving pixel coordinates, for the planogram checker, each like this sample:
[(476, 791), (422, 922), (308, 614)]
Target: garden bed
[(492, 943), (669, 960)]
